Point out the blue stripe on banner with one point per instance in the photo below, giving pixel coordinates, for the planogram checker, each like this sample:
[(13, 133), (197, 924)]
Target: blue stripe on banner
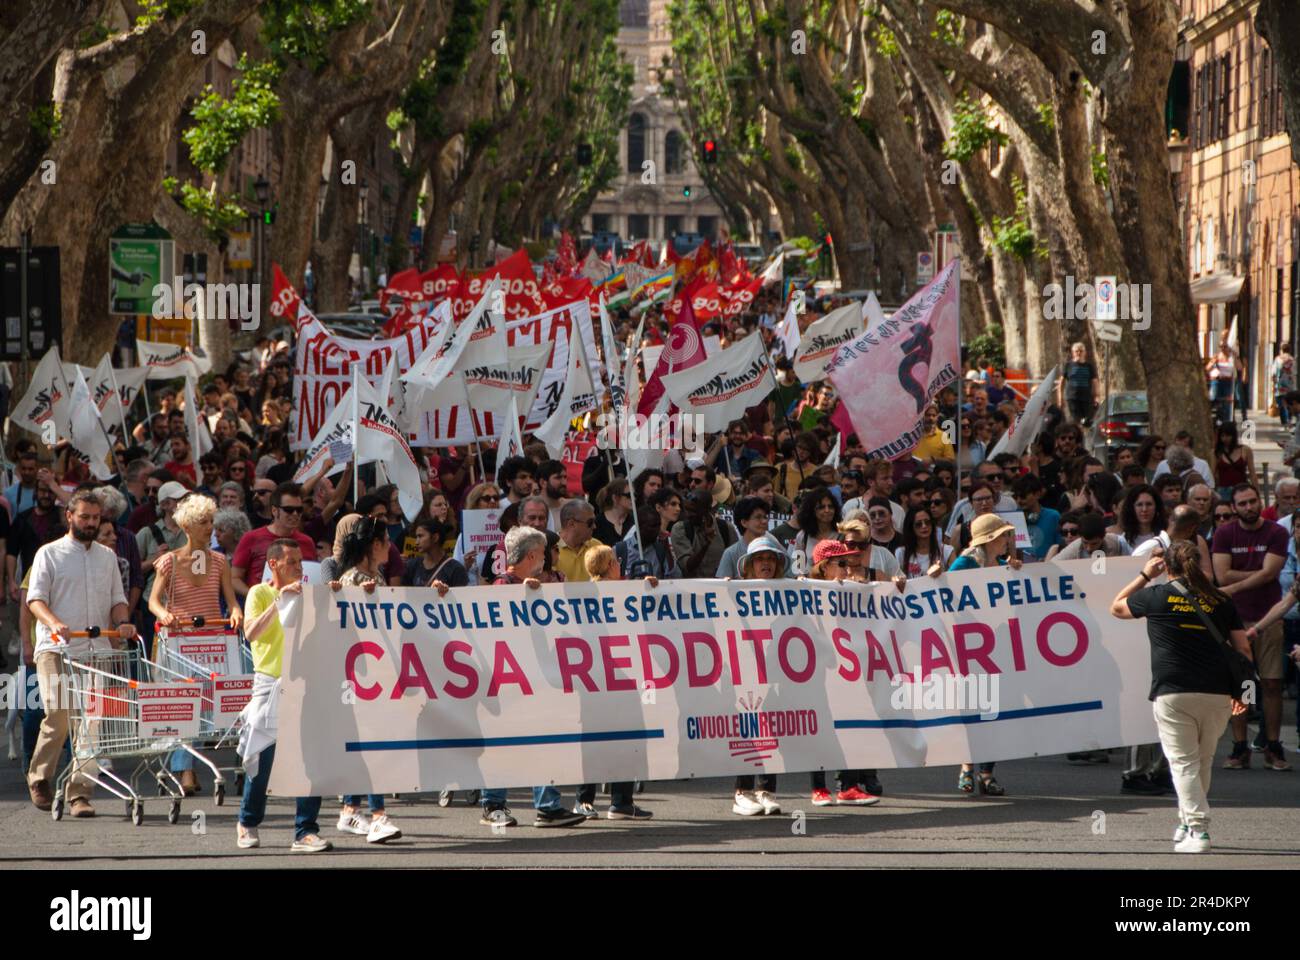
[(602, 736), (1059, 708)]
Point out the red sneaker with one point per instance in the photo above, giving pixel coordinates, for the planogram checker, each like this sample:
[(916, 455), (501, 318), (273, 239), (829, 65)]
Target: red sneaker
[(856, 798), (821, 798)]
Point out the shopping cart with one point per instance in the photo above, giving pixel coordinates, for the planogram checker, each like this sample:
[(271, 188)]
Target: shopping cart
[(212, 654), (123, 707)]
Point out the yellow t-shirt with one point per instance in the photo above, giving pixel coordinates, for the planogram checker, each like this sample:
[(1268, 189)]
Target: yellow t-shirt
[(268, 648), (571, 562), (934, 447)]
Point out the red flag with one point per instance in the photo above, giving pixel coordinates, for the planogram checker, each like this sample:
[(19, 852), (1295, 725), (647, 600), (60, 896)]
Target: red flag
[(684, 349), (284, 298)]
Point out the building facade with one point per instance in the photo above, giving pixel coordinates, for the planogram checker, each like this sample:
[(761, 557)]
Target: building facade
[(1237, 186), (658, 192)]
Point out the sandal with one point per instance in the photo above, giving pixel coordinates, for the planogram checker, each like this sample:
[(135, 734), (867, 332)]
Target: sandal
[(991, 788), (965, 782)]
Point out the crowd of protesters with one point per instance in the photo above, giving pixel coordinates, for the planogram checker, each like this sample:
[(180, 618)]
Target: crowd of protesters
[(764, 499)]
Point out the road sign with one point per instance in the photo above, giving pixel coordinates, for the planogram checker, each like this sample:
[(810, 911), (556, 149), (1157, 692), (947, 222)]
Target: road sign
[(44, 318), (239, 254), (1105, 306), (924, 267)]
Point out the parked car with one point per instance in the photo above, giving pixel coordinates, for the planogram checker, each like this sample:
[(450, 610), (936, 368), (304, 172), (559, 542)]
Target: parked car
[(752, 254), (1122, 420)]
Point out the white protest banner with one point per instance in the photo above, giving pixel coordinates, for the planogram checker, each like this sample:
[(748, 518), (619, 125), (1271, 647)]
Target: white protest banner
[(583, 683), (195, 426), (491, 385), (229, 697), (168, 711), (872, 315), (129, 380), (578, 397), (1020, 434), (787, 331), (323, 368), (887, 375), (823, 338), (724, 386), (334, 435), (167, 361)]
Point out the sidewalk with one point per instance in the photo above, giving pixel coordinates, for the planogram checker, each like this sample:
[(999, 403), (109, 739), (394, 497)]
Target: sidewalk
[(1270, 438)]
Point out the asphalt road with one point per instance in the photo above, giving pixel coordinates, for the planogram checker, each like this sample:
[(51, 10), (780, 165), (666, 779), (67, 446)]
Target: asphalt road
[(1055, 815)]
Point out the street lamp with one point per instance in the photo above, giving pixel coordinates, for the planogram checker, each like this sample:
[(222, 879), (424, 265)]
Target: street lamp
[(262, 190)]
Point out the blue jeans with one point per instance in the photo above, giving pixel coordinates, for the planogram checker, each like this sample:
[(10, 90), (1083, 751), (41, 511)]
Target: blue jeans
[(544, 798), (374, 800), (253, 808), (179, 761)]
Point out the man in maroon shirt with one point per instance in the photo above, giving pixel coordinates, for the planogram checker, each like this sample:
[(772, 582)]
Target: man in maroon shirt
[(286, 521), (1248, 555)]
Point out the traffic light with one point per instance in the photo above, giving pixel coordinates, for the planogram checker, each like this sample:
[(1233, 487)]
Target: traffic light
[(709, 150), (686, 191), (268, 215), (584, 154)]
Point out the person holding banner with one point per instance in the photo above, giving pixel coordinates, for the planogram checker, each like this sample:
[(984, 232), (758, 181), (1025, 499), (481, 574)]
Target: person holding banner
[(992, 543), (260, 717), (1190, 624), (190, 582), (365, 551), (431, 566), (653, 557), (525, 556), (602, 566), (832, 561)]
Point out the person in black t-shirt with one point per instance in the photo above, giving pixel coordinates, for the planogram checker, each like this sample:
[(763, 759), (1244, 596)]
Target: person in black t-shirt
[(1191, 684)]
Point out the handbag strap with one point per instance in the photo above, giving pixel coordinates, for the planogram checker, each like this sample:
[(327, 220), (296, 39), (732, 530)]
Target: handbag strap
[(1215, 632)]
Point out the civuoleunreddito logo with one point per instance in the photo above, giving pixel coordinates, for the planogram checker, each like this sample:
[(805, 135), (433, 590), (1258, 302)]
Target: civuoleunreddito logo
[(752, 734)]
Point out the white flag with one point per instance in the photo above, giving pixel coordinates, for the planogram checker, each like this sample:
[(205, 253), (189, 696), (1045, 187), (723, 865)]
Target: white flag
[(196, 426), (431, 367), (129, 381), (772, 272), (46, 399), (823, 338), (725, 385), (335, 433), (833, 458), (380, 439), (872, 315), (86, 433), (167, 361), (512, 444), (579, 397), (1029, 421), (787, 331)]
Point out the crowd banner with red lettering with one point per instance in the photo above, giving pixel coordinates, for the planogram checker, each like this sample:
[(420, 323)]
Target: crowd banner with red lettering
[(578, 445), (404, 691), (823, 339), (724, 386), (886, 376), (323, 368)]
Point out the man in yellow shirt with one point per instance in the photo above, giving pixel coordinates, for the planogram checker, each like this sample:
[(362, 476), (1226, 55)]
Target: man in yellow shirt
[(934, 444), (577, 520), (266, 638)]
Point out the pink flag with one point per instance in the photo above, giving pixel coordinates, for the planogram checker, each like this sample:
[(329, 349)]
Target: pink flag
[(684, 349), (887, 375)]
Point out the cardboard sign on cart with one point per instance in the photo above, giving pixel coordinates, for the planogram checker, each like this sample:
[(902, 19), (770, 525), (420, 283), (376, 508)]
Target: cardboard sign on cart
[(169, 710), (229, 697)]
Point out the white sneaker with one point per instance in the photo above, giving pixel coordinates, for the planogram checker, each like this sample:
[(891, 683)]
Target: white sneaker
[(1194, 842), (247, 837), (765, 799), (747, 806), (588, 810), (1181, 833), (382, 829), (353, 823), (311, 844)]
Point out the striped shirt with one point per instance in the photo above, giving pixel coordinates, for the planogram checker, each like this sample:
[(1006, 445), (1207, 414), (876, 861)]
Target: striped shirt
[(186, 599)]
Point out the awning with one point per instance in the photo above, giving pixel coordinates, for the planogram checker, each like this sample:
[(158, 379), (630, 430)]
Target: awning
[(1217, 288)]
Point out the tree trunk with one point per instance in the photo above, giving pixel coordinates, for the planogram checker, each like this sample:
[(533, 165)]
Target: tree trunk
[(1278, 22)]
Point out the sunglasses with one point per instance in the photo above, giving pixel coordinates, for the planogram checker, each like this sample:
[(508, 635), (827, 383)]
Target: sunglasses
[(1069, 531), (938, 502), (289, 509), (855, 544), (1224, 516), (838, 562)]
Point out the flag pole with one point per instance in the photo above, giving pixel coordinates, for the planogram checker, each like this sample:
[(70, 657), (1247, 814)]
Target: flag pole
[(960, 382), (784, 419), (356, 435), (469, 410)]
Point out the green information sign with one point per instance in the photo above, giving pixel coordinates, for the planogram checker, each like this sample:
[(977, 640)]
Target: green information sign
[(140, 256)]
